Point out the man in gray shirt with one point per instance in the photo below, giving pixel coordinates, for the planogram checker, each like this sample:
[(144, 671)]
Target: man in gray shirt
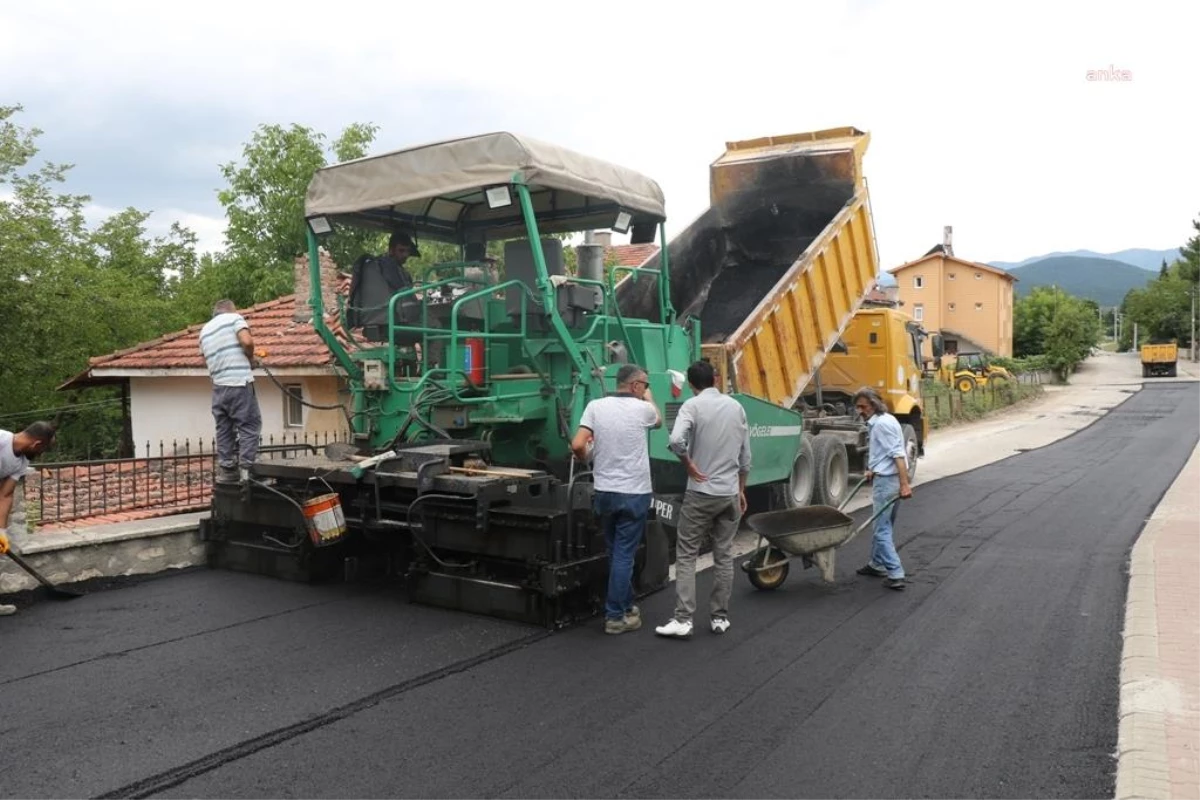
[(712, 439)]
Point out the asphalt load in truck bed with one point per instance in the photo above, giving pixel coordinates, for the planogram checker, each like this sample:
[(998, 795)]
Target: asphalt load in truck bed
[(734, 293), (994, 675)]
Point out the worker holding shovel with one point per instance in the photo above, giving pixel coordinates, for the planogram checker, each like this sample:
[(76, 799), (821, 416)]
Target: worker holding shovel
[(887, 469), (16, 451)]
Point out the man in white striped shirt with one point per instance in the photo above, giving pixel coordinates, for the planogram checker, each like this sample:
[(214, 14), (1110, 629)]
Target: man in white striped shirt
[(228, 346)]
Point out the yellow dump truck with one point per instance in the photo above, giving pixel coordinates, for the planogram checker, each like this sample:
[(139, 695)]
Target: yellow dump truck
[(773, 274), (1159, 360)]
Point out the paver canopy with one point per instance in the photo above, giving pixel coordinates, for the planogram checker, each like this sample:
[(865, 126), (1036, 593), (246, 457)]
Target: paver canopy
[(438, 189)]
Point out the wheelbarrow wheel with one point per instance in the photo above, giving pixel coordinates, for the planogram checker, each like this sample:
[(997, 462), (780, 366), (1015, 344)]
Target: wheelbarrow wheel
[(773, 577)]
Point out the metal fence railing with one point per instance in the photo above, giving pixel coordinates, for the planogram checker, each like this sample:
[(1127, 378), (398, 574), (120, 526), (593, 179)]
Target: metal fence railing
[(175, 476)]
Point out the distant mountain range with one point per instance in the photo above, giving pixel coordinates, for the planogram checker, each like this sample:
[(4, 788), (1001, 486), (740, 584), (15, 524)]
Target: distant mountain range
[(1103, 277), (1096, 278), (1138, 257)]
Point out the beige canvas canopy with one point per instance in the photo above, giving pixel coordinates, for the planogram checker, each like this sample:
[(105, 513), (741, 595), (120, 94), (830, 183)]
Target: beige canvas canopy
[(437, 190)]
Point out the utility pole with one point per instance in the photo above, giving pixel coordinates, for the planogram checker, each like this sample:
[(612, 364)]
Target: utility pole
[(1193, 348)]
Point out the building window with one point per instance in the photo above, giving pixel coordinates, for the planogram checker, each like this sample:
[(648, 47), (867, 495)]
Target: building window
[(293, 409), (952, 306), (978, 275), (950, 275), (979, 306), (918, 281), (919, 312)]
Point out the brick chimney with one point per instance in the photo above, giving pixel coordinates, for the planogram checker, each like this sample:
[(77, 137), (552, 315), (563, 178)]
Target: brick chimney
[(328, 281)]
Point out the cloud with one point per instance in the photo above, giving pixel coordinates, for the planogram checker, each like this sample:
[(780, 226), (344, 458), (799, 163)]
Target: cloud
[(210, 231), (981, 116)]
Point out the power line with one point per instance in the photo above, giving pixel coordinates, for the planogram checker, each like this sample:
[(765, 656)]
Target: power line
[(60, 408)]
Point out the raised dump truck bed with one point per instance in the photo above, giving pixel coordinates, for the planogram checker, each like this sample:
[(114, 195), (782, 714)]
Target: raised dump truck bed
[(776, 267), (774, 273)]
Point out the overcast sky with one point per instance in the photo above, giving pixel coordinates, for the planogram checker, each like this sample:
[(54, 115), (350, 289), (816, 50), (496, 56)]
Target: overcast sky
[(981, 115)]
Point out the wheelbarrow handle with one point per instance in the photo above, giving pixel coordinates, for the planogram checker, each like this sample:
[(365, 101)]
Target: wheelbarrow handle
[(871, 521), (853, 492)]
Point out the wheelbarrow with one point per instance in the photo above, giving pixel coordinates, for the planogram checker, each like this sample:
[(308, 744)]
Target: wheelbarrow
[(813, 532)]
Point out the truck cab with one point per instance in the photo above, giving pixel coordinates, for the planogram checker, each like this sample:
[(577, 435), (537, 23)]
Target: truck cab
[(880, 348)]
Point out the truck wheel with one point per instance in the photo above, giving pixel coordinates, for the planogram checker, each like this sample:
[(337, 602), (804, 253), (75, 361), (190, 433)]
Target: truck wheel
[(964, 384), (911, 448), (831, 470), (771, 578), (797, 490), (1171, 373), (1145, 371)]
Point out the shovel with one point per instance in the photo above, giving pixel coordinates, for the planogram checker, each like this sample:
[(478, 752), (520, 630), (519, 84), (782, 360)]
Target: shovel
[(57, 592)]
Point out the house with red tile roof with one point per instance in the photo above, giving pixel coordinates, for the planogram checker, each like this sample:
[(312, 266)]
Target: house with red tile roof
[(170, 392), (625, 255)]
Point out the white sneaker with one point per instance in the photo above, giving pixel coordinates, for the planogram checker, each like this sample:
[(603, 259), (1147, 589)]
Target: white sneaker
[(720, 624), (675, 628), (6, 611)]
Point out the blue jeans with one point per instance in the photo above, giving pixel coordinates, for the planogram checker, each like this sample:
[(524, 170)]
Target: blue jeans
[(883, 550), (624, 519)]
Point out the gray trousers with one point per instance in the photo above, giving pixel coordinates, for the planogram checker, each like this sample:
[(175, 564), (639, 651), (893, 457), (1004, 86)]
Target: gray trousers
[(239, 423), (705, 515)]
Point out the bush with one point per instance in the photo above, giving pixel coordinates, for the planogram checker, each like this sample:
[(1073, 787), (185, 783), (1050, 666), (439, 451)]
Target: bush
[(945, 405), (1020, 366)]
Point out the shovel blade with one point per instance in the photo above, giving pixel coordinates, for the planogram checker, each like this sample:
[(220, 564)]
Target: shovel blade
[(59, 592)]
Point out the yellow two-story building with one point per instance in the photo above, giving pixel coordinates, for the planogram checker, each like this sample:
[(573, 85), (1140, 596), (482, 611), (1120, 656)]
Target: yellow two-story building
[(969, 304)]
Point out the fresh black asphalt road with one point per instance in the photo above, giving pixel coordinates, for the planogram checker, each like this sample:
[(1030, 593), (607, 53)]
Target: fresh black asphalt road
[(994, 675)]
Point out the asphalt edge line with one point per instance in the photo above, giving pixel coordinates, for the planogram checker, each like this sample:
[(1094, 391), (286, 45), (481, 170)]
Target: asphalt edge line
[(154, 784), (1143, 761)]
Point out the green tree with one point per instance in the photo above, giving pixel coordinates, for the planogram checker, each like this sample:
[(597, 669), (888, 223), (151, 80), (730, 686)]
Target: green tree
[(1162, 311), (1189, 270), (70, 293), (1051, 323), (1031, 315), (264, 207)]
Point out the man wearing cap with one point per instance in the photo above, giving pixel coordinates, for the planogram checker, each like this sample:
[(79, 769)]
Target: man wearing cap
[(400, 248), (364, 307)]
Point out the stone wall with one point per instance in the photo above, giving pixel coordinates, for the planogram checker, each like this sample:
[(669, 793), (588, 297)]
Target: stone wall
[(108, 551), (17, 520)]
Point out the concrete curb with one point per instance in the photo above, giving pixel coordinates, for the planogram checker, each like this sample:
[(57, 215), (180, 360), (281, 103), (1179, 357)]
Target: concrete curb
[(1158, 739), (1142, 770), (114, 550)]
